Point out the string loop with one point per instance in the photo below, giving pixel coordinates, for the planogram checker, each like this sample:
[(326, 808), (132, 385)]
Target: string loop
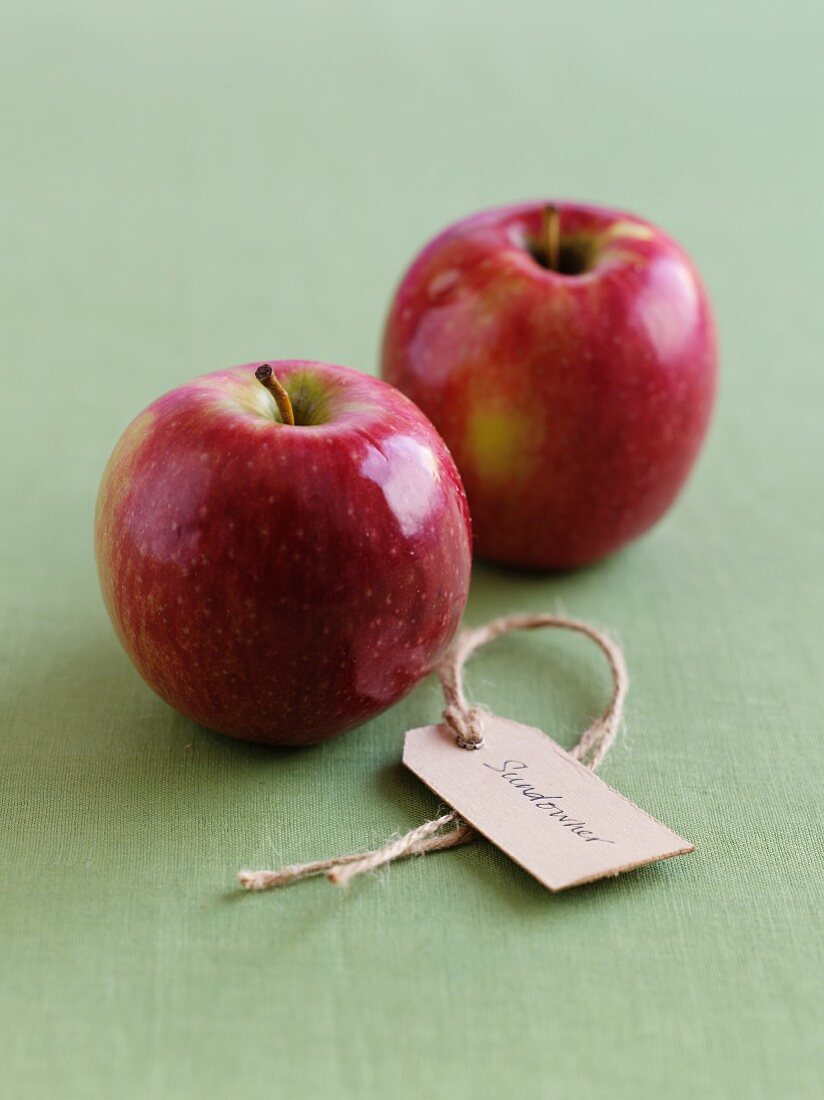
[(466, 719)]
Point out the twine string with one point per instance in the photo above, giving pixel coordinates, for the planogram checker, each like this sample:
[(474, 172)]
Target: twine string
[(467, 723), (431, 836)]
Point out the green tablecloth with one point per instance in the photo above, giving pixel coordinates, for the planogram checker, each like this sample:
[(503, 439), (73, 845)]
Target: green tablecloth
[(189, 186)]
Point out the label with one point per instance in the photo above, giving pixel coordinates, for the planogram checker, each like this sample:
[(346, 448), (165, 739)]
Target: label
[(538, 804)]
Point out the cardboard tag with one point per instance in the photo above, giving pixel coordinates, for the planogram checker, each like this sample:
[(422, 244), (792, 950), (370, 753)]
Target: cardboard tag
[(538, 804)]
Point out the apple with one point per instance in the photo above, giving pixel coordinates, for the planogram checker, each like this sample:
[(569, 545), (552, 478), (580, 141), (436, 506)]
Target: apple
[(282, 582), (567, 355)]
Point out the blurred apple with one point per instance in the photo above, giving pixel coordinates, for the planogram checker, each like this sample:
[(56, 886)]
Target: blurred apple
[(567, 355)]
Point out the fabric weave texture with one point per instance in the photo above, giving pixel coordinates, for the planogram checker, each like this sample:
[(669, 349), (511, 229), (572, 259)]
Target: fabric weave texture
[(187, 186)]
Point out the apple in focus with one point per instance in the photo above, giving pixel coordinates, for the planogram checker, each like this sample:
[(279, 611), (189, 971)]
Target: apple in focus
[(283, 582), (567, 355)]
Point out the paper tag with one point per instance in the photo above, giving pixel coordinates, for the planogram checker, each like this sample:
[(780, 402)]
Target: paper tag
[(538, 804)]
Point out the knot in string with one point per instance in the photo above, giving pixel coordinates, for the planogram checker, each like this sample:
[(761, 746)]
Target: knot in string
[(466, 721)]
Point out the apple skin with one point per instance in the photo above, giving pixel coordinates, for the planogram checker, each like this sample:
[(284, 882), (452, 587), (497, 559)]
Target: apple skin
[(573, 404), (283, 584)]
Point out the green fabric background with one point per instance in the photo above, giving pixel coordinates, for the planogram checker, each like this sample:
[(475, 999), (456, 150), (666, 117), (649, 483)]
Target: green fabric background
[(187, 186)]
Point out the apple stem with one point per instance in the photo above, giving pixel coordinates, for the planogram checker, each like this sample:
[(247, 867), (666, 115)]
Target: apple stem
[(552, 236), (266, 376)]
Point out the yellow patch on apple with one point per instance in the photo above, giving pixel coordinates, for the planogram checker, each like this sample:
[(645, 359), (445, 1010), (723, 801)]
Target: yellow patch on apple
[(496, 441), (632, 230)]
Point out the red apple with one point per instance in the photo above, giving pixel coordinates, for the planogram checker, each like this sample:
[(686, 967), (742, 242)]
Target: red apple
[(283, 583), (567, 355)]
